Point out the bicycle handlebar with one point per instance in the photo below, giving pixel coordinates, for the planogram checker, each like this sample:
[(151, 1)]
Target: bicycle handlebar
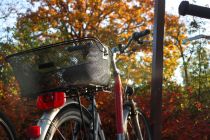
[(185, 8), (135, 36)]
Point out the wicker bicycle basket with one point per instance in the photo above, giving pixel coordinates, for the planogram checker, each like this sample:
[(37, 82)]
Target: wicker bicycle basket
[(80, 62)]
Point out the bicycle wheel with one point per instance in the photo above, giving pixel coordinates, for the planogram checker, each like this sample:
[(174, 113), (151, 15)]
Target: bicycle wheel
[(6, 130), (67, 125), (137, 127)]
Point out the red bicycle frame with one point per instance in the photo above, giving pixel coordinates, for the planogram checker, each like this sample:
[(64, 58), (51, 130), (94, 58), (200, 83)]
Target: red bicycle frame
[(118, 106), (118, 91)]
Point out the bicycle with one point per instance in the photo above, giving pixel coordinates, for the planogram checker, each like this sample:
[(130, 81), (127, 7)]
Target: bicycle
[(62, 103), (62, 71), (7, 131)]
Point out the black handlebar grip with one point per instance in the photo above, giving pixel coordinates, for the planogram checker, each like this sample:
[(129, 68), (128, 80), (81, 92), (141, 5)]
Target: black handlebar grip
[(185, 8), (137, 35)]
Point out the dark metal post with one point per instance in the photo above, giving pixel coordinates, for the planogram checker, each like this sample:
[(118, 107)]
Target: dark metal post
[(157, 69)]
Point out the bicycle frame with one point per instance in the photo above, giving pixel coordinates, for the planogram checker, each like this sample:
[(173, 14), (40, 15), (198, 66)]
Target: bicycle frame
[(47, 118), (118, 91), (129, 106), (96, 121)]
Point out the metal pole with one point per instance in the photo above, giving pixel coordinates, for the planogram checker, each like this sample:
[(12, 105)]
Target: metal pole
[(157, 69)]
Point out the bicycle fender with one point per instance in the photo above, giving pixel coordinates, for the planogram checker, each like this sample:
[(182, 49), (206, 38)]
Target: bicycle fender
[(48, 116)]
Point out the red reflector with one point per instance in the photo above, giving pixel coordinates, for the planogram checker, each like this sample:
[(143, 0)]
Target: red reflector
[(51, 100), (34, 131)]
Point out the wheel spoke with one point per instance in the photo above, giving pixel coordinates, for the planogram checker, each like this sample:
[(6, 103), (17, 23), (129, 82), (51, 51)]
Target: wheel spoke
[(68, 125), (70, 129), (137, 127)]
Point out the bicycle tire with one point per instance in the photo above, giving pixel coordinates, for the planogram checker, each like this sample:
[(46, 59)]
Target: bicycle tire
[(7, 132), (137, 127), (65, 117)]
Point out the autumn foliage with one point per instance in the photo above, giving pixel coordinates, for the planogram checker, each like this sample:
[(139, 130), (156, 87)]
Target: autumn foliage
[(185, 109)]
